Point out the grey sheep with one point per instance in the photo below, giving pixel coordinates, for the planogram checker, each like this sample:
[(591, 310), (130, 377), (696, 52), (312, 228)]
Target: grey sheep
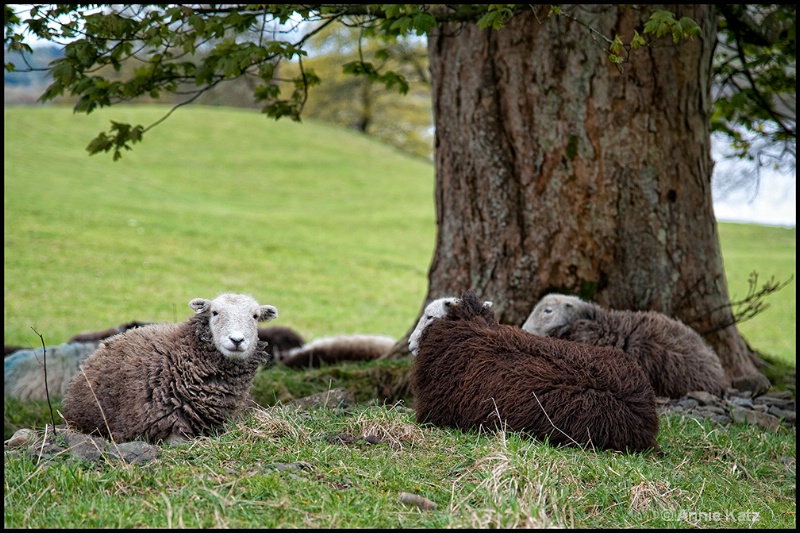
[(172, 382), (674, 357), (24, 370), (472, 373)]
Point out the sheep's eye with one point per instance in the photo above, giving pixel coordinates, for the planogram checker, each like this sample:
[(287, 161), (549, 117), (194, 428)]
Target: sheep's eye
[(548, 311), (214, 313), (255, 316)]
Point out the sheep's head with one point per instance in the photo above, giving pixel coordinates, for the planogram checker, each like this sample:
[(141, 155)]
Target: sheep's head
[(233, 319), (552, 312), (434, 310)]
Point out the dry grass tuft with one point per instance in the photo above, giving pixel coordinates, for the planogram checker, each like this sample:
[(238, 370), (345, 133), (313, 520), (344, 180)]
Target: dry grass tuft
[(389, 429), (273, 423)]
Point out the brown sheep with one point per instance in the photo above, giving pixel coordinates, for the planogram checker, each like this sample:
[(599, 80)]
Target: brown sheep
[(172, 382), (471, 372), (674, 357), (280, 340), (96, 336)]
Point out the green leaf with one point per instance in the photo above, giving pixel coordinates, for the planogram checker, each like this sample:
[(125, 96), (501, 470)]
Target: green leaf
[(637, 41), (617, 46)]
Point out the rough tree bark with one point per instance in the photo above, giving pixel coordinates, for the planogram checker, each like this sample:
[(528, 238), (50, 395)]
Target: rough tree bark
[(556, 172)]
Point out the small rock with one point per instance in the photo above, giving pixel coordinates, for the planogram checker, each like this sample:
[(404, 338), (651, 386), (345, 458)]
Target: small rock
[(788, 416), (22, 437), (748, 416), (85, 447), (757, 383), (703, 397), (413, 499), (133, 452), (741, 402), (688, 403)]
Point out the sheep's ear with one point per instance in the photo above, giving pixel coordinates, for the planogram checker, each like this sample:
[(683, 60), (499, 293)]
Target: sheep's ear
[(200, 305), (487, 304), (267, 313)]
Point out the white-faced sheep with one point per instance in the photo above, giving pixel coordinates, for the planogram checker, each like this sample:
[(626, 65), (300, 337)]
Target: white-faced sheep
[(674, 357), (24, 370), (338, 349), (471, 372), (172, 382)]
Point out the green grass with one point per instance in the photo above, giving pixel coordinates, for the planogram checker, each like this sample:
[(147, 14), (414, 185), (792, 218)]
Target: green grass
[(337, 231), (305, 217), (771, 253), (709, 477)]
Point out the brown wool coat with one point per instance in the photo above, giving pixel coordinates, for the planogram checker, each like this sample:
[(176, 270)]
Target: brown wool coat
[(159, 382), (674, 357), (280, 340), (471, 372)]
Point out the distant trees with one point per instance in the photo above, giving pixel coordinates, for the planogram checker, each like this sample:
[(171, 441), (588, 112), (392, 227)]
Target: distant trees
[(357, 103)]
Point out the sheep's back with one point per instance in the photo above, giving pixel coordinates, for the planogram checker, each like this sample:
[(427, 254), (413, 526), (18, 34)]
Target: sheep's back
[(674, 357), (338, 349), (470, 376), (24, 371)]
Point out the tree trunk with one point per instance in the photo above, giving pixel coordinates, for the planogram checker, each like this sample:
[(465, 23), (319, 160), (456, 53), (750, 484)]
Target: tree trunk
[(556, 172)]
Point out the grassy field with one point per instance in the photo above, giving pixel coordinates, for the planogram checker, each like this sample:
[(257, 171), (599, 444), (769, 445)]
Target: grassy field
[(303, 216), (771, 253), (337, 231)]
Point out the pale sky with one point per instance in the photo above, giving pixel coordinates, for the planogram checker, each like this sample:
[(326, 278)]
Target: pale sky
[(773, 203)]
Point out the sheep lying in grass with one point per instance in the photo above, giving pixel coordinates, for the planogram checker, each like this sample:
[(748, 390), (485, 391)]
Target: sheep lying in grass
[(675, 358), (24, 371), (280, 340), (11, 348), (471, 372), (338, 349), (96, 336), (172, 382)]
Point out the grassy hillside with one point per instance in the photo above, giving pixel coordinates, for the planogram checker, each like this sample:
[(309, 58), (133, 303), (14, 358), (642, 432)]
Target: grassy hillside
[(771, 253), (333, 228)]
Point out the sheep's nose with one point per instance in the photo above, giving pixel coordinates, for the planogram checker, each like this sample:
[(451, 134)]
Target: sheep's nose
[(237, 341)]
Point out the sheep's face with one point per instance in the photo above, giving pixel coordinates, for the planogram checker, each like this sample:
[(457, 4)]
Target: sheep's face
[(552, 312), (233, 319), (435, 309)]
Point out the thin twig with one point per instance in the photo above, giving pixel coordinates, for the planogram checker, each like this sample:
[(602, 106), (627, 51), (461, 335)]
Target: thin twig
[(576, 443), (46, 389)]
